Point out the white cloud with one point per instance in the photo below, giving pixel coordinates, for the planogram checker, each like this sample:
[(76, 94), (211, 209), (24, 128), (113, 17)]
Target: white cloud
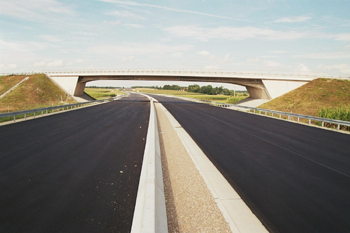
[(203, 53), (50, 38), (271, 63), (298, 19), (116, 22), (212, 67), (138, 48), (253, 60), (233, 33), (39, 64), (227, 57), (278, 52), (126, 14), (55, 63), (132, 25), (129, 58), (79, 60), (129, 3), (331, 55), (242, 33), (8, 66), (302, 68), (36, 10), (177, 54), (341, 68)]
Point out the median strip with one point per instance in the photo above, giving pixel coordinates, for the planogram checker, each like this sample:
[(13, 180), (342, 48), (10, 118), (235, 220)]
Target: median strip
[(150, 212)]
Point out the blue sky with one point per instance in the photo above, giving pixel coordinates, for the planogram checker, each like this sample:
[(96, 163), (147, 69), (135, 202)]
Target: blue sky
[(290, 36)]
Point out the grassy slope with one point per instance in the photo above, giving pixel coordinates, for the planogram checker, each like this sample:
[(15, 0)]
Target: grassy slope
[(38, 91), (7, 82), (311, 97), (102, 93), (217, 98)]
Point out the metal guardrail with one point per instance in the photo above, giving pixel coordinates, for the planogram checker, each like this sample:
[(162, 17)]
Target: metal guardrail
[(273, 113), (47, 110), (291, 116)]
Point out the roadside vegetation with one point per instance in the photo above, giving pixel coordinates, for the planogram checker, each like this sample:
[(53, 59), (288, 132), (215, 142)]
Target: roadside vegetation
[(37, 92), (197, 95), (103, 92), (340, 113), (328, 98)]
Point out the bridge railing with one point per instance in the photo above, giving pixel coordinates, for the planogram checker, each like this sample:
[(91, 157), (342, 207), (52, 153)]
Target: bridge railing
[(323, 122), (44, 111), (185, 71), (203, 72)]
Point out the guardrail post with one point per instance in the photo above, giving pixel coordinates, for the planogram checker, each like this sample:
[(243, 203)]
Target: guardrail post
[(338, 126)]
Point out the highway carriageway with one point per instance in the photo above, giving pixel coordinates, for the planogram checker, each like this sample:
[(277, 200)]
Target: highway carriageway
[(295, 178), (73, 172), (79, 171)]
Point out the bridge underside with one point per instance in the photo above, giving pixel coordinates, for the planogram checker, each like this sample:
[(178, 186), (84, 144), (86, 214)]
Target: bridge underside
[(257, 88)]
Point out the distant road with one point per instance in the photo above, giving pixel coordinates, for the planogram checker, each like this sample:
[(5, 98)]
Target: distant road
[(73, 172), (295, 178)]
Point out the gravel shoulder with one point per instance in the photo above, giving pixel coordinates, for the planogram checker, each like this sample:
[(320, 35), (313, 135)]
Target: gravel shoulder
[(189, 203)]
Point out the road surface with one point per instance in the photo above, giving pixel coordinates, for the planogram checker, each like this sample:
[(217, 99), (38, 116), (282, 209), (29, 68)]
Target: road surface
[(73, 172), (295, 178)]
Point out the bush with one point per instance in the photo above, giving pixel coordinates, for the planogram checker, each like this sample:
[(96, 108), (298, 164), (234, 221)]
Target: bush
[(340, 113), (233, 99)]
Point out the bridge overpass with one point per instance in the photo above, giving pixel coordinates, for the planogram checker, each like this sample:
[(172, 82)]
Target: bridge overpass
[(259, 85)]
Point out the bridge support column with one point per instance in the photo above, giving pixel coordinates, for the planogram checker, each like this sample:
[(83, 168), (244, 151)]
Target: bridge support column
[(79, 89), (258, 93)]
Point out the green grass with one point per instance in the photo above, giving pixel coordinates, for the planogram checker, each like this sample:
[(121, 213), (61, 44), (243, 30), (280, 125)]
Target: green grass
[(198, 96), (310, 98), (102, 93), (340, 113), (37, 92)]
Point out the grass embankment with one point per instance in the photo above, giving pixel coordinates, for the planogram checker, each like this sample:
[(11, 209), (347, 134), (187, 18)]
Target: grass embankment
[(199, 96), (102, 93), (7, 82), (312, 97), (37, 92)]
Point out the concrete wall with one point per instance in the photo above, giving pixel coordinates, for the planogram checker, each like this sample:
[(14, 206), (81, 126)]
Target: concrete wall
[(277, 88), (68, 83)]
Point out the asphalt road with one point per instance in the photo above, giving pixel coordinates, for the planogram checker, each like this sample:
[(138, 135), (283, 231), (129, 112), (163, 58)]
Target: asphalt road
[(73, 172), (295, 178)]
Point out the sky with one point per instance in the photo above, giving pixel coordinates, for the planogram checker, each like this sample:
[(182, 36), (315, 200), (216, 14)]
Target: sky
[(282, 36)]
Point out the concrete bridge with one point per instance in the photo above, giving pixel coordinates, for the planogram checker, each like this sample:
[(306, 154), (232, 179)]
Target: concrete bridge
[(259, 85)]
